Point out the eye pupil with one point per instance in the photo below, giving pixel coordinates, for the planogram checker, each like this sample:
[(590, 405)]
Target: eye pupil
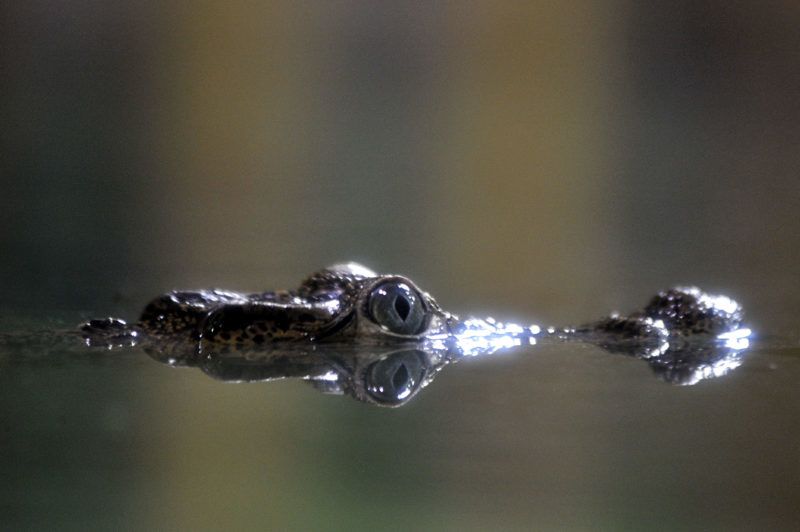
[(400, 377), (402, 307)]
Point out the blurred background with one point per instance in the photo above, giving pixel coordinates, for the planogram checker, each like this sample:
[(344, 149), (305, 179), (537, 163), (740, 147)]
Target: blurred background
[(539, 161)]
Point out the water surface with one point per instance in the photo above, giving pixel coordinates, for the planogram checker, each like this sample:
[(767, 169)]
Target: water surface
[(564, 435)]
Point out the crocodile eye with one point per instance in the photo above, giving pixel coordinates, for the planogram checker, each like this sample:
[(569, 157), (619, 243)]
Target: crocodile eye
[(398, 308), (394, 379)]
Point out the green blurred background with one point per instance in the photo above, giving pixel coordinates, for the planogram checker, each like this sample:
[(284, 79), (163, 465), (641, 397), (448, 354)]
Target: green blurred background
[(545, 161)]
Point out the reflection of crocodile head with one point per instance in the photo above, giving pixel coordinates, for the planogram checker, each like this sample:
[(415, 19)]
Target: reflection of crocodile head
[(382, 377), (391, 376), (379, 338)]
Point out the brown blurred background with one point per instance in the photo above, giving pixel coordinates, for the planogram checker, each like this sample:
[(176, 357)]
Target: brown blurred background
[(515, 154), (545, 161)]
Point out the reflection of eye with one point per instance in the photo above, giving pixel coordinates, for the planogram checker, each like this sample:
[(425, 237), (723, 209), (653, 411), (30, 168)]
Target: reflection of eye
[(398, 307), (394, 379)]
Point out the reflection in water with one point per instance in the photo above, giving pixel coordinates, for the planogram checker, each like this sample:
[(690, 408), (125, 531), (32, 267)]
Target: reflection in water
[(380, 339), (390, 376), (383, 377)]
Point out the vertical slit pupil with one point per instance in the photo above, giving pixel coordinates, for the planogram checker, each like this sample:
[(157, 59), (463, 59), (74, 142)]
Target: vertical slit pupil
[(400, 377), (402, 307)]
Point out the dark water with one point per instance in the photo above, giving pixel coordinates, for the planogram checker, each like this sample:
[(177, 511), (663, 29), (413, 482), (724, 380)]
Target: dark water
[(537, 162)]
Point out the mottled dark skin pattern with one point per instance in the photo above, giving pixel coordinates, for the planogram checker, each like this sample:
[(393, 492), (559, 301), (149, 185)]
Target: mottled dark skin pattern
[(680, 311), (256, 318)]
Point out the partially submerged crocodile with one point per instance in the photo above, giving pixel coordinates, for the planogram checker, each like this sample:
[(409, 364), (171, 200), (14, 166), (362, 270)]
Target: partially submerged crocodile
[(380, 338)]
